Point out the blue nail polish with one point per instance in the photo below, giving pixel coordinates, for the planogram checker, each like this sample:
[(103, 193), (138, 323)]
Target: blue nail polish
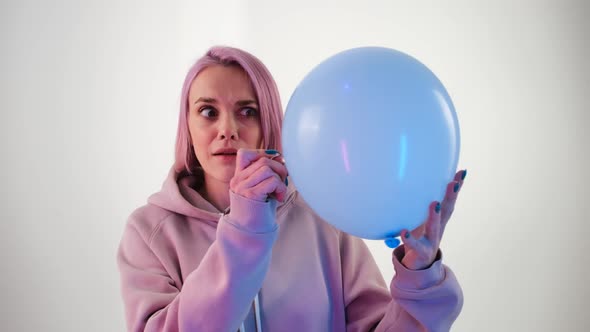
[(456, 188), (271, 151), (437, 208), (464, 175), (286, 181), (407, 235)]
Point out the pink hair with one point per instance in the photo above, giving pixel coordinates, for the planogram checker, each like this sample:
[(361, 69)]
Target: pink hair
[(265, 89)]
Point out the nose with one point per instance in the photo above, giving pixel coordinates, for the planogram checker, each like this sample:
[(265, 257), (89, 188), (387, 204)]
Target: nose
[(228, 128)]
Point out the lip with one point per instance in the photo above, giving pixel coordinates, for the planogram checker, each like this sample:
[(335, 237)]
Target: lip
[(225, 152)]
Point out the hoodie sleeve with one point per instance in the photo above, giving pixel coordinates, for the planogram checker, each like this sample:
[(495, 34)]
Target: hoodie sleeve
[(217, 295), (425, 300)]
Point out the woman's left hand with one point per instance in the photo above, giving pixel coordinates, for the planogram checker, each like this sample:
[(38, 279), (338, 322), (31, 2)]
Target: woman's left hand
[(422, 243)]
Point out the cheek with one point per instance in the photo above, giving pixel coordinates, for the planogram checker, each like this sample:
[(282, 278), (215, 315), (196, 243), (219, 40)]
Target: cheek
[(253, 134), (200, 139), (198, 136), (200, 147)]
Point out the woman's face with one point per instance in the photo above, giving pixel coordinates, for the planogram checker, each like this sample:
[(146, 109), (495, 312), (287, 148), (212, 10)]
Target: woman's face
[(223, 117)]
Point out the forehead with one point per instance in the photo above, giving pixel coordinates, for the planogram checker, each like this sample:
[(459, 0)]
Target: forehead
[(224, 83)]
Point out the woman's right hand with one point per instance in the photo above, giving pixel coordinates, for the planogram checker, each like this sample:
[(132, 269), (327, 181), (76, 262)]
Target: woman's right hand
[(258, 176)]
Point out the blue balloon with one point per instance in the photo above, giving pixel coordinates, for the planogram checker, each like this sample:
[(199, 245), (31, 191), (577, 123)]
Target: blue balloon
[(370, 139)]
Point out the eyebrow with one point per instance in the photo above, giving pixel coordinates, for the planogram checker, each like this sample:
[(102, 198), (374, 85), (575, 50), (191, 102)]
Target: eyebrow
[(206, 100), (213, 101)]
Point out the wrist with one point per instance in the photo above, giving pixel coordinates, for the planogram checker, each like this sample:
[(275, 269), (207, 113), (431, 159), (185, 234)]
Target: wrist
[(412, 264), (406, 278), (252, 215), (411, 261)]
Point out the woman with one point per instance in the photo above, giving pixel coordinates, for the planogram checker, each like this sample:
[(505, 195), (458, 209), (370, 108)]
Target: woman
[(228, 244)]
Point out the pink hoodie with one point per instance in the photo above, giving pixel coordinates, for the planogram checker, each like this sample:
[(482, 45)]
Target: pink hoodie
[(187, 267)]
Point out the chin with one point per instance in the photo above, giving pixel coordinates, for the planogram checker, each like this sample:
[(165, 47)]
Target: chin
[(224, 176), (221, 173)]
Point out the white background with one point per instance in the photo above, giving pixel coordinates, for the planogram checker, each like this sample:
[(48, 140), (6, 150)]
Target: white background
[(89, 94)]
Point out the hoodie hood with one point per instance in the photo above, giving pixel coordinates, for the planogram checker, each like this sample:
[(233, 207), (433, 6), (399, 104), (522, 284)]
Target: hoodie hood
[(179, 194)]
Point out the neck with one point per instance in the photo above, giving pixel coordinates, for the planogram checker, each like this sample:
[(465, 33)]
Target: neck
[(216, 192)]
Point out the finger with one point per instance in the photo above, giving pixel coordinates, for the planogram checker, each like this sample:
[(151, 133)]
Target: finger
[(279, 193), (460, 176), (452, 192), (263, 182), (271, 187), (262, 161), (276, 155), (258, 175), (432, 227), (418, 232), (245, 157), (281, 160), (274, 164), (409, 240), (448, 203)]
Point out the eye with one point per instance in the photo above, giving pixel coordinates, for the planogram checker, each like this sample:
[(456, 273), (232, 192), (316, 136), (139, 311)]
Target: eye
[(249, 112), (208, 111)]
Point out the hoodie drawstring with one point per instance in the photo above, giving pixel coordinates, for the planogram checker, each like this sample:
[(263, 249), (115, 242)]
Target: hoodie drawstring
[(256, 314)]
